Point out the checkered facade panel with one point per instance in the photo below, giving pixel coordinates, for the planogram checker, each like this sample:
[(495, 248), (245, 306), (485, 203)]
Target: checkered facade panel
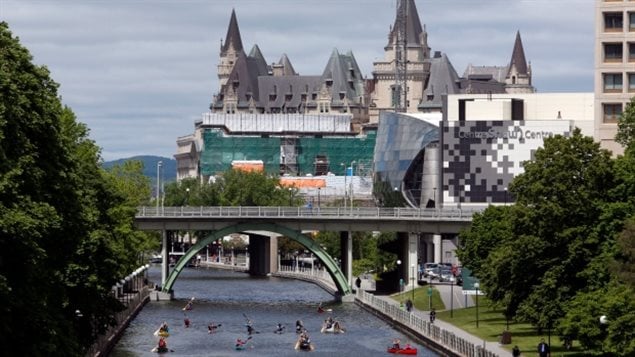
[(480, 158)]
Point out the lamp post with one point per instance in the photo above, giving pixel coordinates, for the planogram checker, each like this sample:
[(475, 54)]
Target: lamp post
[(345, 174), (505, 196), (413, 283), (434, 196), (399, 273), (159, 164), (319, 190), (290, 196), (187, 196), (476, 286), (351, 183), (452, 279)]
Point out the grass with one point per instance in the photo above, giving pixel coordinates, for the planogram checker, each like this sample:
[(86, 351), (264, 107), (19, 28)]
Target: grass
[(491, 325), (422, 299)]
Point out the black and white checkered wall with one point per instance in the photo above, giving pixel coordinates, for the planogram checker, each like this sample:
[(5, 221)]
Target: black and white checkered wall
[(480, 158)]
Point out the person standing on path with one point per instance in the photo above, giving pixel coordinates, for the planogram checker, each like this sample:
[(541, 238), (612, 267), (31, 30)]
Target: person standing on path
[(516, 351), (433, 315), (543, 348)]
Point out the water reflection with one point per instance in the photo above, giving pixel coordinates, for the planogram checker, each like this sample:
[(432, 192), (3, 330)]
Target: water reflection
[(229, 298)]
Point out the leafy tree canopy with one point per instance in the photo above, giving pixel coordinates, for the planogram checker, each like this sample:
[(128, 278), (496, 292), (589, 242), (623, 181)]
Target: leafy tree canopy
[(65, 227)]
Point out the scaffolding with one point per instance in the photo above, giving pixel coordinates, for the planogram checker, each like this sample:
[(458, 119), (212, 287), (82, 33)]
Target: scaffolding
[(291, 155)]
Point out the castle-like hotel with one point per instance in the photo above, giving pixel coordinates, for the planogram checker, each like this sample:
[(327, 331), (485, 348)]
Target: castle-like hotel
[(249, 84)]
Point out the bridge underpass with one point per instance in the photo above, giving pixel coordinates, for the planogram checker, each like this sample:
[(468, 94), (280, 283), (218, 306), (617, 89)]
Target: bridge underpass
[(291, 222)]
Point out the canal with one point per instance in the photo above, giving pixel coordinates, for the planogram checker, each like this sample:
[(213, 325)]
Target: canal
[(229, 298)]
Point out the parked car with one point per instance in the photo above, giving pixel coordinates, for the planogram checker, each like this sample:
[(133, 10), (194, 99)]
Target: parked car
[(427, 268), (445, 274), (434, 273)]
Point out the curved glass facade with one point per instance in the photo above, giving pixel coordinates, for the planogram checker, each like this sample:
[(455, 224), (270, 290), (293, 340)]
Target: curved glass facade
[(403, 146)]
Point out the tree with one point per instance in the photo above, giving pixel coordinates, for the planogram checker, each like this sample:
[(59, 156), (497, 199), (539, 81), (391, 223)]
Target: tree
[(626, 126), (64, 226), (624, 262), (533, 257)]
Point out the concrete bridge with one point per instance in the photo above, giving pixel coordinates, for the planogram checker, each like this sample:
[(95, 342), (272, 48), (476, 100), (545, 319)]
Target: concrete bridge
[(291, 222)]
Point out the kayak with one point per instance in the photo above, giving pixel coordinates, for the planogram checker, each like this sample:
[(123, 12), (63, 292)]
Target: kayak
[(161, 333), (240, 347), (304, 346), (332, 329), (403, 351), (161, 350)]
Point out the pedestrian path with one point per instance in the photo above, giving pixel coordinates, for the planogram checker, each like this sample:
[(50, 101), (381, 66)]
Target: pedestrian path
[(492, 346)]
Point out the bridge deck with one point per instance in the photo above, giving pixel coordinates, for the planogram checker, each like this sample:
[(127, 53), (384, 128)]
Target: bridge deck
[(448, 220)]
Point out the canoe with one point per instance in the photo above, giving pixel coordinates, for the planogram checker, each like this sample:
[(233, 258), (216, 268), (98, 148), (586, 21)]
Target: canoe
[(331, 329), (303, 346), (402, 351)]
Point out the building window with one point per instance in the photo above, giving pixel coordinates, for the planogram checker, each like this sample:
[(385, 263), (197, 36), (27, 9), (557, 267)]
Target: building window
[(631, 52), (631, 21), (613, 22), (612, 82), (631, 82), (612, 52), (612, 112)]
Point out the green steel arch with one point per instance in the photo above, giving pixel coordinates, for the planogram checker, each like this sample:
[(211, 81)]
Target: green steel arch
[(331, 266)]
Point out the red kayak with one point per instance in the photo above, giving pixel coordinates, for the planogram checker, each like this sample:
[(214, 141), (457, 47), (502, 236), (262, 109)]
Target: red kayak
[(403, 351)]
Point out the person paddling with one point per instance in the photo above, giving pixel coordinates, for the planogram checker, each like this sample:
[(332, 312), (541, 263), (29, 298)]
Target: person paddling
[(212, 327), (279, 328), (299, 326), (163, 345)]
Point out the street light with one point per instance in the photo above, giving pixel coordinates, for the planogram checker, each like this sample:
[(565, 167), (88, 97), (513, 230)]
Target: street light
[(505, 196), (345, 174), (319, 190), (452, 280), (351, 183), (187, 195), (290, 196), (413, 283), (399, 273), (476, 286), (434, 196), (158, 184)]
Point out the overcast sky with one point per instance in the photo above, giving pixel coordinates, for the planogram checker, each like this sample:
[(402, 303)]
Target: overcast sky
[(140, 72)]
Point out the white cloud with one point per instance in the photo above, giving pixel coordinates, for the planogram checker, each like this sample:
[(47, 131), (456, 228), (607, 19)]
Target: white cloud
[(139, 73)]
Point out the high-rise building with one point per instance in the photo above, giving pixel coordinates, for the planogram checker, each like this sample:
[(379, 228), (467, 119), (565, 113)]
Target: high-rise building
[(614, 66)]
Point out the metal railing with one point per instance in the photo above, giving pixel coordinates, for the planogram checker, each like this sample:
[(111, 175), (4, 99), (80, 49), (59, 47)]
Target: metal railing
[(427, 330), (456, 214), (318, 276)]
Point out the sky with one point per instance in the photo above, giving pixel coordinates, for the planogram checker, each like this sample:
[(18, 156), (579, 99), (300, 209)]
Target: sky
[(139, 73)]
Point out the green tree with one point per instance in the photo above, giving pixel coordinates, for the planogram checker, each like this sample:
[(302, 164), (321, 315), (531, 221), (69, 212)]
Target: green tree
[(626, 126), (63, 224), (533, 257)]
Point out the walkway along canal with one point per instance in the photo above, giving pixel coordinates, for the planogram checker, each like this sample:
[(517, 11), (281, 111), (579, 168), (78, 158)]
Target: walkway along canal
[(441, 337)]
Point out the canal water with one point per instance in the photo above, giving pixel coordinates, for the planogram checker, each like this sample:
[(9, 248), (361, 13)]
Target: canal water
[(229, 298)]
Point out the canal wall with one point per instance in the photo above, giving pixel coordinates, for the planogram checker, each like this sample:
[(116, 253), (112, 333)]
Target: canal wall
[(133, 294), (442, 341)]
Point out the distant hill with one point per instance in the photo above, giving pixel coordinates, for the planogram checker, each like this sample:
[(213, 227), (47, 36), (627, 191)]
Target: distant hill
[(150, 166)]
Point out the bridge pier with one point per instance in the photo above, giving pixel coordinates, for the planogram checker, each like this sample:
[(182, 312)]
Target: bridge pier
[(407, 253), (165, 266), (346, 249), (263, 251)]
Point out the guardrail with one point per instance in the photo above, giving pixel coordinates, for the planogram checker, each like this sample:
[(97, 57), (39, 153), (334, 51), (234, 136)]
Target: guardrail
[(305, 212), (429, 331), (319, 276)]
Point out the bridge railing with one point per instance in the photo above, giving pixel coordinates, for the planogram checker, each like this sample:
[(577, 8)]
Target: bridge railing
[(306, 212)]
